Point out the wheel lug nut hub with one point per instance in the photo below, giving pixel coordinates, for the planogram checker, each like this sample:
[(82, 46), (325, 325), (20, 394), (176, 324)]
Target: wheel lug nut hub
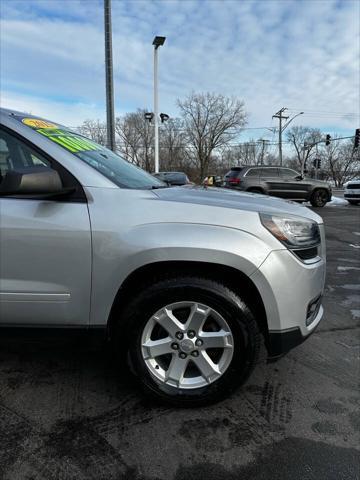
[(198, 342), (179, 335), (195, 353), (175, 346), (182, 355), (191, 334)]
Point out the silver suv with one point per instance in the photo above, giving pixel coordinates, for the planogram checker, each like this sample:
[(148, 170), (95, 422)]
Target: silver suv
[(280, 182), (188, 281)]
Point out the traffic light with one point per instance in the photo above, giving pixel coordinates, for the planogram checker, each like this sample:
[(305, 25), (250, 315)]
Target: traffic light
[(328, 139), (357, 138), (317, 162)]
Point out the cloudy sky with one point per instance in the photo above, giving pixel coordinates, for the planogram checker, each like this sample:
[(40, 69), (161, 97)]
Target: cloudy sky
[(299, 54)]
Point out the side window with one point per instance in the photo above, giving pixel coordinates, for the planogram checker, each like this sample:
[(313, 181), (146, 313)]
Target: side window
[(4, 155), (269, 172), (15, 154), (287, 173), (253, 172)]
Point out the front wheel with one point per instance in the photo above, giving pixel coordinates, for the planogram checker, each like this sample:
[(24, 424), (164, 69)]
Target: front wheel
[(192, 340), (319, 198)]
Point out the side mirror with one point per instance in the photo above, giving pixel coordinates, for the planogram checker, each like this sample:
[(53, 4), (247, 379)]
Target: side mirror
[(31, 181), (299, 177)]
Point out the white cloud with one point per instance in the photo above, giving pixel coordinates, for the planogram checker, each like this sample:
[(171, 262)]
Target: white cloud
[(70, 115), (300, 54)]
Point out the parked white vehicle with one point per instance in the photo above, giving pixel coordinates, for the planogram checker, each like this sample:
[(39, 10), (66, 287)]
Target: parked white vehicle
[(352, 192), (186, 280)]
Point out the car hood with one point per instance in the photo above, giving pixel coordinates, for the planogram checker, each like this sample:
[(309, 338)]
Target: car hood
[(226, 198), (321, 183)]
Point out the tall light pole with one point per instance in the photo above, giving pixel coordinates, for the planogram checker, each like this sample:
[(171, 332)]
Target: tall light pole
[(110, 117), (157, 42), (291, 119)]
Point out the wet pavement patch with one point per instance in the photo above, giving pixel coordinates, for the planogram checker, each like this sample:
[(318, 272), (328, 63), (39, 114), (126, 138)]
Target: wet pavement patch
[(325, 427), (290, 459), (67, 412), (329, 406)]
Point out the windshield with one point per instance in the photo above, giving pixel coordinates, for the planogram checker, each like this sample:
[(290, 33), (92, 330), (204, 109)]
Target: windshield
[(234, 172), (121, 172), (106, 162), (173, 177)]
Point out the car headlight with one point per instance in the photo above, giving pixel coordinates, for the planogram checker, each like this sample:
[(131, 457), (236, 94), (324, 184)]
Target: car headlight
[(294, 232)]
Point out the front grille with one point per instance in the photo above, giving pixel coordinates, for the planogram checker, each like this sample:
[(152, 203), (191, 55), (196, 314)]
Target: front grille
[(353, 186), (307, 253), (352, 195)]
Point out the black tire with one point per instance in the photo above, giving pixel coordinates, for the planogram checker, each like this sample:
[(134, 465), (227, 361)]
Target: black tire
[(353, 202), (256, 190), (244, 330), (319, 197)]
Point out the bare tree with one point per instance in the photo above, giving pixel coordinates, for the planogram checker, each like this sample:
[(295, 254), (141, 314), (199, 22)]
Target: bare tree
[(252, 152), (136, 139), (340, 161), (174, 154), (271, 159), (303, 140), (128, 139), (231, 156), (95, 130), (210, 121)]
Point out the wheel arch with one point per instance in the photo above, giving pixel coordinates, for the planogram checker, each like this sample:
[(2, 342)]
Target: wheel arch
[(316, 188), (256, 190), (236, 280)]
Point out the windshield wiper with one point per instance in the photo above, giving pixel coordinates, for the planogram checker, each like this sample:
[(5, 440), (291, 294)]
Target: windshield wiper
[(155, 187)]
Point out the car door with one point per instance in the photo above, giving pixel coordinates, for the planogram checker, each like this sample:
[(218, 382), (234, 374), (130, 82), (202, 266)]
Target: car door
[(270, 177), (295, 187), (45, 247)]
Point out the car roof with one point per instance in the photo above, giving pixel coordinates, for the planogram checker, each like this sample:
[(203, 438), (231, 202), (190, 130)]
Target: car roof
[(18, 114), (260, 166), (15, 112)]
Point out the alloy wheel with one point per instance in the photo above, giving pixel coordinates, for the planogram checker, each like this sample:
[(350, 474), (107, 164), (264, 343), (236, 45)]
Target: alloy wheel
[(187, 345)]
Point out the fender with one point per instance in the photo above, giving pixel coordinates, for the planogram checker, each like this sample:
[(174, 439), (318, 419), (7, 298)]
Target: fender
[(114, 259)]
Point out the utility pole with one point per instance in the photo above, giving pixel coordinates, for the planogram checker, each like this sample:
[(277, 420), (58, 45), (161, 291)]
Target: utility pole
[(261, 140), (280, 116), (110, 117)]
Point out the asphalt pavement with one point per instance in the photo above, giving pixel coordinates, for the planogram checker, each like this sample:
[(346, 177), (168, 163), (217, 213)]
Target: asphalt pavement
[(66, 412)]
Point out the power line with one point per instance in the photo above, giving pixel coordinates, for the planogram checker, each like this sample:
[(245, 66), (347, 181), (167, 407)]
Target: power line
[(321, 111), (334, 115), (237, 144)]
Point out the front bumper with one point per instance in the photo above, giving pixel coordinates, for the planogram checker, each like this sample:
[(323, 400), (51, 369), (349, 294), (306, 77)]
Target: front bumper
[(352, 196), (291, 291), (280, 343)]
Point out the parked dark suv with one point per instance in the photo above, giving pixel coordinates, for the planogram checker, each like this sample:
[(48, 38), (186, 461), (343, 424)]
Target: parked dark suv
[(280, 182)]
